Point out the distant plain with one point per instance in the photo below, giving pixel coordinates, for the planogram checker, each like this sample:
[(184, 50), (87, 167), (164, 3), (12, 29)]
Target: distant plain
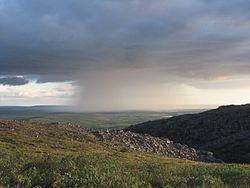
[(117, 119)]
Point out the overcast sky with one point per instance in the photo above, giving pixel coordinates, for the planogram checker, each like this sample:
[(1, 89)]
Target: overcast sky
[(125, 54)]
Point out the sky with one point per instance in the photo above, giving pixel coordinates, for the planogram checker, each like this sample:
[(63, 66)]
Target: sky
[(124, 55)]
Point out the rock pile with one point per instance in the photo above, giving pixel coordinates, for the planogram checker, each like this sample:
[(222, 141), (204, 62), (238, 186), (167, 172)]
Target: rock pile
[(146, 143), (115, 139)]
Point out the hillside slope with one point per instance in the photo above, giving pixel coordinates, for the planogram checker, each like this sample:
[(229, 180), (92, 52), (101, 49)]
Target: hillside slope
[(39, 138), (224, 131), (45, 155)]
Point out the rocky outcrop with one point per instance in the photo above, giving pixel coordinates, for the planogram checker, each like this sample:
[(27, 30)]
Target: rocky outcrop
[(113, 139), (153, 145), (224, 131)]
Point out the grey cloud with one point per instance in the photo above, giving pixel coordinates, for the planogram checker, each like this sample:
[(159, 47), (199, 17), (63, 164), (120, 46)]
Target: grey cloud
[(13, 81), (56, 40)]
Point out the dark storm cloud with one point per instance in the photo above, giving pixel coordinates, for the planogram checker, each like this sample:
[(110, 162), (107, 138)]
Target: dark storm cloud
[(13, 81), (57, 40)]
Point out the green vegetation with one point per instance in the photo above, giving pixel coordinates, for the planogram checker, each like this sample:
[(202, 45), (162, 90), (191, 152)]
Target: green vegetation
[(40, 155), (90, 120), (99, 120), (115, 169)]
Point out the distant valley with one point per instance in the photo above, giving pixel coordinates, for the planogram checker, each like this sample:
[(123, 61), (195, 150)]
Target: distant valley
[(64, 114)]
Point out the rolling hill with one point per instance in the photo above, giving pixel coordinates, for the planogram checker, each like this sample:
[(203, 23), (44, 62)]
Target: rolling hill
[(224, 131)]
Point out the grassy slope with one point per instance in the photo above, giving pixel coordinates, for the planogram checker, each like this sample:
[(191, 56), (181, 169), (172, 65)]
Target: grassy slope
[(63, 156), (225, 131)]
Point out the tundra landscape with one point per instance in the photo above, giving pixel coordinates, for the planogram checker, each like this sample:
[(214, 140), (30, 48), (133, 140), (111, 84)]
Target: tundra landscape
[(125, 94), (54, 154)]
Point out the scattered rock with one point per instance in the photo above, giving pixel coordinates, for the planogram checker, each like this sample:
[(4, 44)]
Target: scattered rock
[(146, 143)]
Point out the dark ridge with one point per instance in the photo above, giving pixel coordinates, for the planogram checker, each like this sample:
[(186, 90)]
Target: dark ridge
[(225, 131)]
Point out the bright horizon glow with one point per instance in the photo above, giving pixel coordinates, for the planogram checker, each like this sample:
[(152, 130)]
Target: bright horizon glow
[(36, 94), (202, 94)]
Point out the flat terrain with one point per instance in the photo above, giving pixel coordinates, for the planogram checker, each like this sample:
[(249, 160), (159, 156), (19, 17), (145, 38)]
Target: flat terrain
[(45, 155), (91, 120)]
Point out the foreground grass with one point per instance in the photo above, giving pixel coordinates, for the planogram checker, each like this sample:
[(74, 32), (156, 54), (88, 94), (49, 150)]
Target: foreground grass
[(115, 170), (54, 159)]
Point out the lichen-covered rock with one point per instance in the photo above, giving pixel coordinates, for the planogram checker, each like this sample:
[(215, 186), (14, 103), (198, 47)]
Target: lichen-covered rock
[(146, 143)]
